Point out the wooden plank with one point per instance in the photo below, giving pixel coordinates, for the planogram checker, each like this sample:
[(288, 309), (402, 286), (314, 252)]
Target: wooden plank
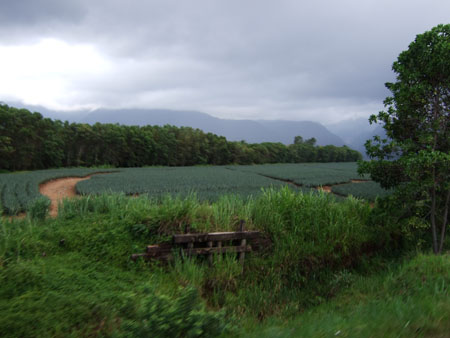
[(225, 249), (165, 253), (162, 256), (157, 250), (215, 236)]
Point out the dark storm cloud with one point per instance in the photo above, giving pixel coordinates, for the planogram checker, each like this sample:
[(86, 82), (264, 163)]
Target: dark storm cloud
[(24, 19), (249, 59)]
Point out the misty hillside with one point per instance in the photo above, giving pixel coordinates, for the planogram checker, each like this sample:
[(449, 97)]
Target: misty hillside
[(233, 130), (356, 132)]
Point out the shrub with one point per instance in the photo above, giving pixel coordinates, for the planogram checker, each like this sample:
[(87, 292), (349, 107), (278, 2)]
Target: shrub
[(160, 316)]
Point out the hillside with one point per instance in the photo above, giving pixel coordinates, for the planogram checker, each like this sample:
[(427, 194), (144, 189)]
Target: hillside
[(234, 130), (355, 132)]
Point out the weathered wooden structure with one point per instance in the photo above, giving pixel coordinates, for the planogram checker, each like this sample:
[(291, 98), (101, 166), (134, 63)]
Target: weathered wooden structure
[(206, 244)]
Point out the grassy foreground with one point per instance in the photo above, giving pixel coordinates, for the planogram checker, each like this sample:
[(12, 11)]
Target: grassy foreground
[(333, 270)]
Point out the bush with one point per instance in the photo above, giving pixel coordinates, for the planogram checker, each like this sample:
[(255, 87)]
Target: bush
[(160, 316)]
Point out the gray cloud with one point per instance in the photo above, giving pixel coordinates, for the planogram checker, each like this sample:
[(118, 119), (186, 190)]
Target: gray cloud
[(321, 60), (21, 20)]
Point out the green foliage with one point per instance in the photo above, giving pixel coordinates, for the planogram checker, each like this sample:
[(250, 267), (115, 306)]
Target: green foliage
[(72, 275), (311, 230), (411, 300), (39, 208), (161, 316), (415, 159), (29, 141)]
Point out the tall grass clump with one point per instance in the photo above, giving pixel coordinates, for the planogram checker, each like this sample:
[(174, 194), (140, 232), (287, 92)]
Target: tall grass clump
[(315, 242), (39, 208), (229, 210), (312, 231)]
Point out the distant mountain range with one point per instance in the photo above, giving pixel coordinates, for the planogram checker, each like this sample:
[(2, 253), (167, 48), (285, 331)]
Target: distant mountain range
[(234, 130), (352, 133)]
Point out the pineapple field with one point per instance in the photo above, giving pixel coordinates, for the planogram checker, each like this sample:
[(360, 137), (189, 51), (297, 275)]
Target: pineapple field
[(18, 191)]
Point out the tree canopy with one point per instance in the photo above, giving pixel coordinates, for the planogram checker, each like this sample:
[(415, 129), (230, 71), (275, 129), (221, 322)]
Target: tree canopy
[(415, 158), (30, 141)]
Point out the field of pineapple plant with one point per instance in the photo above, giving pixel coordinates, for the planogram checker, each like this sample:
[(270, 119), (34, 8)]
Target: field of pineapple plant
[(18, 191)]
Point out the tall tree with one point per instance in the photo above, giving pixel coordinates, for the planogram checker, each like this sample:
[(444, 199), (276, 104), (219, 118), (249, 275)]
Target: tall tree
[(415, 159)]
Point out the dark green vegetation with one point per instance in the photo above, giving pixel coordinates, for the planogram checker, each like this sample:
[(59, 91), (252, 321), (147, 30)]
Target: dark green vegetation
[(415, 158), (308, 174), (19, 191), (29, 141), (72, 276)]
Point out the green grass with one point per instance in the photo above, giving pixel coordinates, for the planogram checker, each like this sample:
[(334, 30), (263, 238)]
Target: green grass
[(410, 300), (325, 271)]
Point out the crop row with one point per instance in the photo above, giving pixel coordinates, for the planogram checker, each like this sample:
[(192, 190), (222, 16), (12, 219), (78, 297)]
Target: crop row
[(19, 190), (208, 183), (306, 174), (366, 190)]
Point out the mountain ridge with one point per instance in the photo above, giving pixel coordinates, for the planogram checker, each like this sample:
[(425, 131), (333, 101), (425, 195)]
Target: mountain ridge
[(351, 132), (251, 131)]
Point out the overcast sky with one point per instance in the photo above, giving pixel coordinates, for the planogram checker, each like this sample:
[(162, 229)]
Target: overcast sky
[(321, 60)]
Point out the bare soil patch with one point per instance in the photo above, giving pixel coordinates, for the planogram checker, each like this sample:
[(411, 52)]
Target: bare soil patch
[(326, 188), (359, 181), (60, 188)]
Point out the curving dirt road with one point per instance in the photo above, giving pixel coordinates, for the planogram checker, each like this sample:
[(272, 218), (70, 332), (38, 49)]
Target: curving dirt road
[(60, 188)]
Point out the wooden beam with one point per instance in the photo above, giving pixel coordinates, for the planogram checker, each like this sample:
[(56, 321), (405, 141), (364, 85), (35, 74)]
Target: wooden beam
[(215, 236), (224, 249), (156, 251)]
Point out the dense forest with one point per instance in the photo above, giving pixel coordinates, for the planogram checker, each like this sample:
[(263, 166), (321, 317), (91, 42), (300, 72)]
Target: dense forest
[(29, 141)]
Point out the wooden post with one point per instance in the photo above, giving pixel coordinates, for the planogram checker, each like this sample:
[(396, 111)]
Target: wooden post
[(243, 243), (187, 228), (190, 247), (242, 253), (210, 257), (219, 245), (241, 225)]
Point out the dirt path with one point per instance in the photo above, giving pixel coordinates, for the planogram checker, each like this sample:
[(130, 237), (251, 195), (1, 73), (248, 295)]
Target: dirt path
[(327, 188), (60, 188)]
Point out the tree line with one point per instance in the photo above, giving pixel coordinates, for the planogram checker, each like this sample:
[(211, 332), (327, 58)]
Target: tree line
[(28, 141)]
